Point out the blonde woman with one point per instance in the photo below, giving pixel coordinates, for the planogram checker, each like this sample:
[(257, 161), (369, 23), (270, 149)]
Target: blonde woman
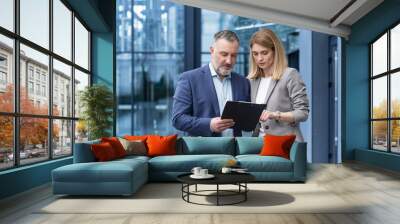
[(278, 86)]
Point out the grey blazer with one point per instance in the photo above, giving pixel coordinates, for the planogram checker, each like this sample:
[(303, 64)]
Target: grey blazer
[(284, 95)]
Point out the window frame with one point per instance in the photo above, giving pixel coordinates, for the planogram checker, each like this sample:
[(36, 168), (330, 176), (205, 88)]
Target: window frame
[(388, 74), (16, 115)]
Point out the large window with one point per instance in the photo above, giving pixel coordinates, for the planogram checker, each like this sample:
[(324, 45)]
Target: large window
[(36, 66), (152, 50), (385, 95)]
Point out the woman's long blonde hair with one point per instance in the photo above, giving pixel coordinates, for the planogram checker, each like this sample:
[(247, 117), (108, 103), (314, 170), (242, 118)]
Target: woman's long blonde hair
[(268, 39)]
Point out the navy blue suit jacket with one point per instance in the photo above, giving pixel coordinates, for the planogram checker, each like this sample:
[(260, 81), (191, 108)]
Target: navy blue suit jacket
[(196, 102)]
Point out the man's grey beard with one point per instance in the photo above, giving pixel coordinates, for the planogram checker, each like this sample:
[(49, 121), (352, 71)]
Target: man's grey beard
[(223, 72)]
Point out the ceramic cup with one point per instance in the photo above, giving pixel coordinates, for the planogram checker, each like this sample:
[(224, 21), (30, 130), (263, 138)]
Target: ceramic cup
[(226, 170), (196, 170), (203, 172)]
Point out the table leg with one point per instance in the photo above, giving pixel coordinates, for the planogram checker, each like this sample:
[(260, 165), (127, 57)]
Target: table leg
[(217, 194), (188, 190), (182, 190), (245, 191)]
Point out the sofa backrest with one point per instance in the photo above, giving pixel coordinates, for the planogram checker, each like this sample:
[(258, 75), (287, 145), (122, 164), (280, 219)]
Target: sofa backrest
[(249, 145), (83, 152), (206, 145), (192, 146)]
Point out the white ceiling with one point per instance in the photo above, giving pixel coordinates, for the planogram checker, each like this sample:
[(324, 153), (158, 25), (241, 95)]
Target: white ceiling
[(318, 15)]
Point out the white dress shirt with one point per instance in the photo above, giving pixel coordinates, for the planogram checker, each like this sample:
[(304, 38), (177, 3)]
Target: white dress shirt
[(223, 88)]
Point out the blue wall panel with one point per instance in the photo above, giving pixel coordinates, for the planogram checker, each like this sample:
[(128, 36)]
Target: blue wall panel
[(357, 83), (102, 58), (320, 97), (357, 99), (103, 61), (380, 159), (306, 72), (24, 178)]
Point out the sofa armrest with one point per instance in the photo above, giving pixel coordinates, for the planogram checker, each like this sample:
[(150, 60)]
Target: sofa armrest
[(298, 155), (83, 152)]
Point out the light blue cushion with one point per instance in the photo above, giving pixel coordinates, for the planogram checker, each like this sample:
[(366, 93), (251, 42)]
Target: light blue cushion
[(185, 163), (257, 163), (207, 145), (119, 177), (249, 145), (96, 171), (298, 155), (133, 158)]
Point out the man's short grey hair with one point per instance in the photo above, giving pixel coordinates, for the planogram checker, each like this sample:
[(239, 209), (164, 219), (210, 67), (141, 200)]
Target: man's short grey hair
[(227, 35)]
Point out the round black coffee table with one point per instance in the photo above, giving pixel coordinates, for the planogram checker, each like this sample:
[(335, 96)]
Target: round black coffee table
[(238, 179)]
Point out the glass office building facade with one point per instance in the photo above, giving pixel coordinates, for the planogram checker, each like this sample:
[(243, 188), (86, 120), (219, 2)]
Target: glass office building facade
[(151, 53)]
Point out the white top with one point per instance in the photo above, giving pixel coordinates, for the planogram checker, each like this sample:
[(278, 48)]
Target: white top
[(261, 96)]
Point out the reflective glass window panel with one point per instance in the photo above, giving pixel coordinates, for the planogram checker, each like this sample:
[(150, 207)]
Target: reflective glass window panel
[(395, 47), (7, 14), (379, 55), (124, 25), (33, 140), (38, 102), (379, 135), (34, 21), (158, 26), (153, 85), (124, 93), (81, 81), (6, 74), (81, 131), (379, 98), (62, 138), (6, 142), (62, 89), (395, 95), (62, 29), (212, 22), (395, 136), (81, 45)]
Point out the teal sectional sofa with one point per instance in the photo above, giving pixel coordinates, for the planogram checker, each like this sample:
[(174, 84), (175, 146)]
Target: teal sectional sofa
[(125, 176)]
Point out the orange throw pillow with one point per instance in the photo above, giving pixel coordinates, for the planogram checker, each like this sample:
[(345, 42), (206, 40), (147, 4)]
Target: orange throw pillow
[(116, 145), (277, 145), (161, 145), (135, 137), (103, 151)]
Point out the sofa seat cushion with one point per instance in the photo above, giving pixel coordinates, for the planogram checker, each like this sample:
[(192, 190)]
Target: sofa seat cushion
[(257, 163), (185, 163), (133, 158), (112, 171)]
